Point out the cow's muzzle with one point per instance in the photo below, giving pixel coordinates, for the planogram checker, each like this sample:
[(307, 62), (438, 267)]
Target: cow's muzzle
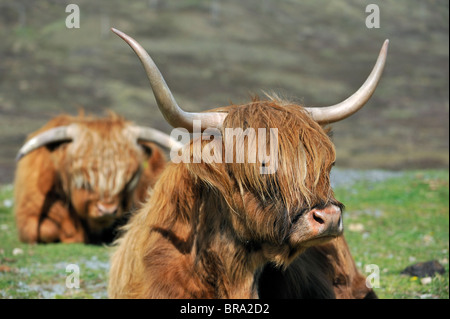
[(325, 222), (106, 209)]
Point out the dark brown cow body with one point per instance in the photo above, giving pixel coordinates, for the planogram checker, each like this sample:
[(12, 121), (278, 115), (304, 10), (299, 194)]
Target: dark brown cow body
[(326, 271), (80, 190)]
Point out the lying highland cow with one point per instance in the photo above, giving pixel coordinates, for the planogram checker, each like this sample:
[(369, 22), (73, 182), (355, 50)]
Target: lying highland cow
[(221, 229), (77, 177)]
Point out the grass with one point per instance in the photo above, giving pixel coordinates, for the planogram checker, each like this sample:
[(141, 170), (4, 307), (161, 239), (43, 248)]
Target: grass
[(39, 271), (399, 222), (392, 224)]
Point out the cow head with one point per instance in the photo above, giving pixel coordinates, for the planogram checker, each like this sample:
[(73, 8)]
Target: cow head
[(287, 210), (99, 162), (293, 208)]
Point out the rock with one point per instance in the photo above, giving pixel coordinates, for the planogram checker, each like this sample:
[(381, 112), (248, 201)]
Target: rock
[(357, 227), (17, 251), (428, 239), (424, 269), (7, 203)]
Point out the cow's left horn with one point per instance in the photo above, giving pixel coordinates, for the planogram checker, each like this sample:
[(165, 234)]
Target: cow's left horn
[(57, 134), (173, 114), (340, 111), (151, 135)]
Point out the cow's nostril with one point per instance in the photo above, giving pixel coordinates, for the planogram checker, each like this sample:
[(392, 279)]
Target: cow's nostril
[(317, 218)]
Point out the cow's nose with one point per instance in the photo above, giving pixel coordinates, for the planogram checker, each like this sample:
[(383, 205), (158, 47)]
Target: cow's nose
[(107, 209), (326, 221)]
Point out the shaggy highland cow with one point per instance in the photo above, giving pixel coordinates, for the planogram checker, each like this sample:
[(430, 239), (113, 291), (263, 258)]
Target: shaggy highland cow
[(77, 177), (220, 229)]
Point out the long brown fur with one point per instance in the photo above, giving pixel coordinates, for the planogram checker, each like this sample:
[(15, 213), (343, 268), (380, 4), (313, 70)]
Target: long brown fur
[(216, 230), (58, 186)]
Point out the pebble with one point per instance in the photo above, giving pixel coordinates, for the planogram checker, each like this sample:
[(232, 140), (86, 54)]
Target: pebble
[(357, 227), (7, 203), (17, 251)]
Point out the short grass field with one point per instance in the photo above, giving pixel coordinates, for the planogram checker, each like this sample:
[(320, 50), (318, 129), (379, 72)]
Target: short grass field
[(391, 223)]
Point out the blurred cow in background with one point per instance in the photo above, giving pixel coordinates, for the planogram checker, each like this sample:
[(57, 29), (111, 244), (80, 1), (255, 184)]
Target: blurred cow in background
[(78, 176)]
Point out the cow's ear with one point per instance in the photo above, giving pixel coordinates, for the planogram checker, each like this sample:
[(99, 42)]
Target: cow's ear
[(152, 164), (147, 147), (55, 145)]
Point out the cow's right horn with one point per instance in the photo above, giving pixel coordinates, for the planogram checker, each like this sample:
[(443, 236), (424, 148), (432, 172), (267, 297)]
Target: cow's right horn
[(57, 134), (173, 114)]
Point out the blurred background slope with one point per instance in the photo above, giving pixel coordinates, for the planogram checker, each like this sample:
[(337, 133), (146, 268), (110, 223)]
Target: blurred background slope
[(216, 52)]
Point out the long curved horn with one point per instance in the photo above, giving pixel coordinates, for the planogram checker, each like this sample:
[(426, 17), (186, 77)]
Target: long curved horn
[(340, 111), (152, 135), (57, 134), (173, 114)]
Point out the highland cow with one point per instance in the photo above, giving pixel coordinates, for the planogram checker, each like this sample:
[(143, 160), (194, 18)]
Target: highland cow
[(215, 229), (78, 177)]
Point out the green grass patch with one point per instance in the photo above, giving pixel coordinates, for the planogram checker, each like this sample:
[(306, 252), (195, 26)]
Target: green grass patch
[(391, 223), (400, 222), (39, 271)]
